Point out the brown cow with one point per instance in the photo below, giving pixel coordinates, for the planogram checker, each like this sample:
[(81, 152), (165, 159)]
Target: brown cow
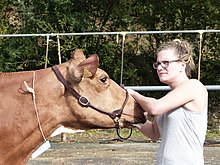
[(35, 103)]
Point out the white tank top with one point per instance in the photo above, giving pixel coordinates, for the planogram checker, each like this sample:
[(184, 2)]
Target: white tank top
[(182, 137)]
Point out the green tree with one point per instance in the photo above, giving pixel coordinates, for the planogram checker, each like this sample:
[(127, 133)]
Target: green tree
[(72, 16)]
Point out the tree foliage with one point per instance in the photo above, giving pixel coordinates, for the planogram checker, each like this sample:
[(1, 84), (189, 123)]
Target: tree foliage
[(72, 16)]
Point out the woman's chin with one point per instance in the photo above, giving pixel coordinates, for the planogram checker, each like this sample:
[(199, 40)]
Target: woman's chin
[(163, 80)]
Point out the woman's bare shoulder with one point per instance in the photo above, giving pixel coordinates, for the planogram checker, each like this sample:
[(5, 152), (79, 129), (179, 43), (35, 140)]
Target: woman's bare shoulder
[(195, 87), (194, 83), (199, 94)]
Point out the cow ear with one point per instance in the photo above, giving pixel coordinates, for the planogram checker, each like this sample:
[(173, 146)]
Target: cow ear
[(78, 55), (87, 68)]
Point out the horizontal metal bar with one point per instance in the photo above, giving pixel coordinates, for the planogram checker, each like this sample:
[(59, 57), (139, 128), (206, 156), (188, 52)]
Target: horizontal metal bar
[(109, 33), (165, 88), (148, 88), (59, 34)]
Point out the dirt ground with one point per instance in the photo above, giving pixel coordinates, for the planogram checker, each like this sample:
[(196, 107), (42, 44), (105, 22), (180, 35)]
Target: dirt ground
[(104, 148)]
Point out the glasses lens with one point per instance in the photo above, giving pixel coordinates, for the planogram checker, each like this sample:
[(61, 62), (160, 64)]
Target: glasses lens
[(165, 64), (155, 65)]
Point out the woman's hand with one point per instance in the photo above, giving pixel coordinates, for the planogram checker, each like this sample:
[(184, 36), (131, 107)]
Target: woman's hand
[(139, 126), (131, 92)]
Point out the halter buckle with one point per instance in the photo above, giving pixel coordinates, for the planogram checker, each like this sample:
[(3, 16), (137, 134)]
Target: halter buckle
[(84, 101)]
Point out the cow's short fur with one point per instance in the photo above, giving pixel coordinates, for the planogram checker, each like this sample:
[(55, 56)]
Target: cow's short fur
[(19, 128)]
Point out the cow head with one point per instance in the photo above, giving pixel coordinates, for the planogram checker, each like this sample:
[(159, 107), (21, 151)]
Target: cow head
[(102, 92)]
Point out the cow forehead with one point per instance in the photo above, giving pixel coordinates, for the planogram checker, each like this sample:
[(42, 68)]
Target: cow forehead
[(101, 72)]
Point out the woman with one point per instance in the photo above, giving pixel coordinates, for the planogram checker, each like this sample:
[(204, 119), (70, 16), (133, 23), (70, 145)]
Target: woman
[(181, 115)]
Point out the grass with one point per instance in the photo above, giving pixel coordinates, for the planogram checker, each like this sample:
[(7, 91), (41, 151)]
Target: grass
[(110, 134), (213, 134)]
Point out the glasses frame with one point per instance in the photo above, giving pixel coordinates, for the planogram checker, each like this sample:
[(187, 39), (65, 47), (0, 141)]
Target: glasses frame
[(164, 64)]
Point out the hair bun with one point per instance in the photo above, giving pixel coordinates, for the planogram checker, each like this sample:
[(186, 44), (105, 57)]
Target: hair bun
[(177, 40)]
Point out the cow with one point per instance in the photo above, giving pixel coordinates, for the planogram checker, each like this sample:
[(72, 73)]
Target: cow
[(34, 104)]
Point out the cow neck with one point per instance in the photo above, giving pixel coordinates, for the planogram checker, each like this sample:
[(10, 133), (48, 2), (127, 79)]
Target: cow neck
[(32, 91), (65, 83)]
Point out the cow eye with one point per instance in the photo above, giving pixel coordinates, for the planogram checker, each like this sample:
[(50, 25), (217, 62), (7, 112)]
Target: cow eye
[(103, 79)]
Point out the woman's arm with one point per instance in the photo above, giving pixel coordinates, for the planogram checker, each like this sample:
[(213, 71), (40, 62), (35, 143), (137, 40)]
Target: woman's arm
[(150, 129), (191, 92)]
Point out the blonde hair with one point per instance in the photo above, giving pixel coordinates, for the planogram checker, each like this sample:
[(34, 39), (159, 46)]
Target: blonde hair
[(183, 50)]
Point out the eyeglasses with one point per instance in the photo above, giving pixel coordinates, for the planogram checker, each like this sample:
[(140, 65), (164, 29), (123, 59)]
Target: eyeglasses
[(164, 64)]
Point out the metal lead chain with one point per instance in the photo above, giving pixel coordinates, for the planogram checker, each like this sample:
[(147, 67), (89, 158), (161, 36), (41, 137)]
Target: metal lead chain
[(118, 130)]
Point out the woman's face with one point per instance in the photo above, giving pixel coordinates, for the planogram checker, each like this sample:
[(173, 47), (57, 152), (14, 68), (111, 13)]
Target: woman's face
[(169, 66)]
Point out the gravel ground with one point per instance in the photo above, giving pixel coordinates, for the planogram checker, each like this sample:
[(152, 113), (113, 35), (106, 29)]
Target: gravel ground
[(96, 149)]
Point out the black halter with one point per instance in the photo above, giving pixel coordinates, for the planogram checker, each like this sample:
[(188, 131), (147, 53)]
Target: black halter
[(115, 115)]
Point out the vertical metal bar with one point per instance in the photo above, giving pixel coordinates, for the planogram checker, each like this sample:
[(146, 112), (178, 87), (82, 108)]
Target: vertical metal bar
[(200, 53), (117, 38), (46, 60), (58, 47), (122, 57)]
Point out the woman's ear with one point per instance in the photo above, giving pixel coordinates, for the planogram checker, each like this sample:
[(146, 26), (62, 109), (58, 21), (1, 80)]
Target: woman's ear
[(183, 66)]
